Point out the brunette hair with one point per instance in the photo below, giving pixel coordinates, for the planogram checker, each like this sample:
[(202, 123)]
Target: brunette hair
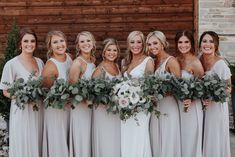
[(187, 34), (215, 38), (21, 34)]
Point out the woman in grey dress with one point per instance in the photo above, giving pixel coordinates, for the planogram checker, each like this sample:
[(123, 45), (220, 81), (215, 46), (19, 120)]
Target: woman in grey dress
[(191, 113), (56, 121), (216, 132), (107, 126), (81, 116), (165, 130), (25, 124)]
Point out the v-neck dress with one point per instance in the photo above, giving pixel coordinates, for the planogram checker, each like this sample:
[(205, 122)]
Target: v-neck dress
[(165, 130), (25, 125), (135, 139), (216, 132), (81, 123), (106, 130)]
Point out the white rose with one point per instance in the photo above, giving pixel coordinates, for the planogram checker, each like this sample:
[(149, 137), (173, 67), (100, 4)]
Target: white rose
[(134, 97)]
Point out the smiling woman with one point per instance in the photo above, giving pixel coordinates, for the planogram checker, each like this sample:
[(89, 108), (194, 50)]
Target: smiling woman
[(57, 67), (25, 125), (216, 125)]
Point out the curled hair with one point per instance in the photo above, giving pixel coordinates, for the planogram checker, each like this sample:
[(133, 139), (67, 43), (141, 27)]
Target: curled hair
[(215, 38), (161, 37), (48, 40), (90, 35), (128, 58), (110, 41), (187, 34), (21, 34)]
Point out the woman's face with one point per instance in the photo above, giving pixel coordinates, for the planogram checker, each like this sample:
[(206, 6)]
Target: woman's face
[(184, 45), (28, 43), (136, 45), (58, 44), (207, 45), (111, 53), (85, 44), (154, 45)]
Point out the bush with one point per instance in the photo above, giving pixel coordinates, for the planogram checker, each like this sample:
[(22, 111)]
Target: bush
[(9, 53)]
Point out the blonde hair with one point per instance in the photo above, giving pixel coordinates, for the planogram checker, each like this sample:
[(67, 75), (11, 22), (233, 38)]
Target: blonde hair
[(161, 37), (48, 40), (106, 43), (90, 35), (128, 58)]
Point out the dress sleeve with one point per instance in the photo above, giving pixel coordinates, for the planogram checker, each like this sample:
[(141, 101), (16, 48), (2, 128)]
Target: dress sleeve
[(8, 76), (222, 70)]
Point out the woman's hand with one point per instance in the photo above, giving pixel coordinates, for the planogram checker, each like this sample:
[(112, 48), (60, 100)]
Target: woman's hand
[(187, 103)]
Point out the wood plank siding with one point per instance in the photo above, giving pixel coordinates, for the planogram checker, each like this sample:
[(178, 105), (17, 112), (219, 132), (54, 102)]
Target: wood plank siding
[(104, 18)]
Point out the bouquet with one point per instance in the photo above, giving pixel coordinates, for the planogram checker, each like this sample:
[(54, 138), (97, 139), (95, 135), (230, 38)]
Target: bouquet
[(100, 92), (215, 88), (184, 89), (29, 92), (79, 91), (129, 98), (59, 94)]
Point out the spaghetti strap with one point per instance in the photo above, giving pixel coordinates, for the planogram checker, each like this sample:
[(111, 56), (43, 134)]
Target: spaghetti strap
[(83, 60)]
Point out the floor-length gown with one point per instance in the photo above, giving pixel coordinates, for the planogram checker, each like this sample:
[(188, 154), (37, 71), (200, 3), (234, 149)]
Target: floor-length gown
[(25, 125), (191, 126), (56, 121), (106, 130), (135, 139), (165, 130), (216, 126), (81, 123)]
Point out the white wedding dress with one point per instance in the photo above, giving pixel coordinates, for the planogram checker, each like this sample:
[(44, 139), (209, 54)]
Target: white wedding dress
[(135, 139)]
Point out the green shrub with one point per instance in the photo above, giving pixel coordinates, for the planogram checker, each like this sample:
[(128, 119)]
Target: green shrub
[(9, 53)]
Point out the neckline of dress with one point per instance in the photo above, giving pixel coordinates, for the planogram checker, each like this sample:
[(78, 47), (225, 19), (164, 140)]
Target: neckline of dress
[(136, 66), (36, 75)]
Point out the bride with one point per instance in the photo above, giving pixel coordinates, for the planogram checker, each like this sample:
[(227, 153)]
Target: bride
[(135, 140)]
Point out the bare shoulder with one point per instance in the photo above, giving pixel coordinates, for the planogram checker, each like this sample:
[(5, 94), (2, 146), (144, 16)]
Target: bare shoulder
[(50, 67), (98, 71), (173, 61)]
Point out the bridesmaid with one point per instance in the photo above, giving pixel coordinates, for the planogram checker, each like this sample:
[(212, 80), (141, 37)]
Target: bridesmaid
[(56, 121), (216, 132), (107, 126), (25, 125), (80, 117), (190, 119), (135, 140), (165, 130)]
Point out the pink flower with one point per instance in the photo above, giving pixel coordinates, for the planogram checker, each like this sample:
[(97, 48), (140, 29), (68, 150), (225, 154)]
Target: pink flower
[(123, 102)]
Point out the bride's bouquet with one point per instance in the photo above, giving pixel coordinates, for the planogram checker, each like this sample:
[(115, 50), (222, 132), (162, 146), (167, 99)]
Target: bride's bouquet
[(129, 98)]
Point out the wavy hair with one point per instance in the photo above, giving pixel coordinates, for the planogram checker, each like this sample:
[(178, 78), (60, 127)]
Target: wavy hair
[(127, 60), (21, 34), (48, 40), (89, 35), (110, 41)]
